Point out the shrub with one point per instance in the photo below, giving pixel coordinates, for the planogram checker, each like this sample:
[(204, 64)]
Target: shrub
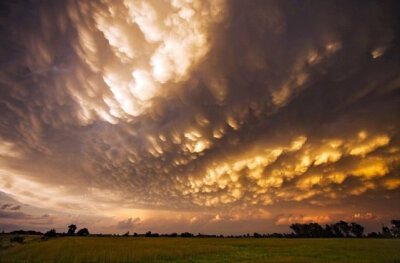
[(50, 234), (83, 232), (186, 234)]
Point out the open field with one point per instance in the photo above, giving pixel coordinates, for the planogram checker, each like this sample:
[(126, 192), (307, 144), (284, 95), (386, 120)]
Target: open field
[(129, 249)]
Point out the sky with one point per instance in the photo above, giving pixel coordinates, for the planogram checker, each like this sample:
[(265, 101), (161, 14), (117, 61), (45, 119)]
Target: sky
[(211, 116)]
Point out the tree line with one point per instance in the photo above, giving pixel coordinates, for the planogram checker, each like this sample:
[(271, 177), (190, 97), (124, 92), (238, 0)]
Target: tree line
[(339, 229), (342, 229)]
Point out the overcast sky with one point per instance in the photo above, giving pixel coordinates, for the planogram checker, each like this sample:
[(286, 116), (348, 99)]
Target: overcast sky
[(212, 116)]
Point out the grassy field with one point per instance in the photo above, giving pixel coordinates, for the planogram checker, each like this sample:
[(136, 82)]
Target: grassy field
[(128, 249)]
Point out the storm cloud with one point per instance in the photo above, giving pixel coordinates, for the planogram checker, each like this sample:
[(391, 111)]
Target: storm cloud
[(217, 111)]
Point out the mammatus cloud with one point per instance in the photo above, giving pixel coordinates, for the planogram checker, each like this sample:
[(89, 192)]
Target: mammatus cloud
[(133, 51), (221, 112), (298, 171)]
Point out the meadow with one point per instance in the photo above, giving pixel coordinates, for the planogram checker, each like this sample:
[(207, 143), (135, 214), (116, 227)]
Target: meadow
[(142, 249)]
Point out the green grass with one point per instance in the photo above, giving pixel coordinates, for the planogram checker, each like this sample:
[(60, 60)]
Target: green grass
[(5, 241), (128, 249)]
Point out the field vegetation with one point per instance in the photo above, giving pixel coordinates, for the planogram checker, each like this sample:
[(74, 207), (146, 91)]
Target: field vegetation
[(76, 249)]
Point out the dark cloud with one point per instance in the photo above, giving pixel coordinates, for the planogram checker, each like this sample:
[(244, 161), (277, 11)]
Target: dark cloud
[(128, 223), (209, 107), (13, 215), (17, 207), (5, 206), (10, 207)]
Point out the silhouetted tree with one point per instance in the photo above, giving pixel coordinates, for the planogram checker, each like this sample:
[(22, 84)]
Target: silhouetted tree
[(276, 235), (373, 235), (339, 229), (344, 228), (71, 229), (257, 235), (329, 231), (315, 230), (356, 229), (186, 234), (83, 232), (386, 232), (395, 229), (336, 230), (50, 233), (308, 230), (126, 234), (23, 232), (298, 229)]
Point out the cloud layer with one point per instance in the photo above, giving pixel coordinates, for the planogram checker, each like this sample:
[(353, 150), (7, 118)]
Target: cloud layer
[(224, 110)]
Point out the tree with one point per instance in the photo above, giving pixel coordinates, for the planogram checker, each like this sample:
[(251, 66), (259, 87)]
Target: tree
[(341, 229), (356, 229), (257, 235), (395, 229), (186, 234), (71, 229), (373, 235), (50, 233), (83, 232), (315, 230), (386, 232), (298, 229), (23, 232), (308, 230), (329, 231), (336, 230)]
